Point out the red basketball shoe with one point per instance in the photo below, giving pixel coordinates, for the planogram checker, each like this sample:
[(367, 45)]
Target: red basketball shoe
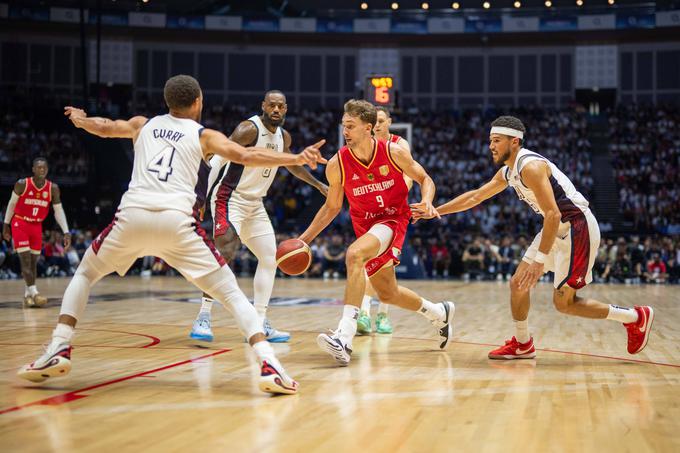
[(513, 349), (638, 332)]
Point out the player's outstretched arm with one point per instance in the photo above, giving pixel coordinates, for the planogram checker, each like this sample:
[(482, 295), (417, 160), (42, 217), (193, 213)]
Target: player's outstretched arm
[(105, 127), (302, 173), (331, 208), (216, 143), (472, 198), (415, 171)]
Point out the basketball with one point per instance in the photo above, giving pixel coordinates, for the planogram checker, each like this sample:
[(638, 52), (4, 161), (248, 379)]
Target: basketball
[(293, 257)]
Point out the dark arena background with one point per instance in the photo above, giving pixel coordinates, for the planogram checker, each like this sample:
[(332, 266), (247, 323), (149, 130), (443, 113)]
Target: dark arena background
[(595, 82)]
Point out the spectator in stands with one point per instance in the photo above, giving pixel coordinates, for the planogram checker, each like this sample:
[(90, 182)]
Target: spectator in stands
[(334, 257), (506, 261), (656, 270), (440, 259), (473, 260)]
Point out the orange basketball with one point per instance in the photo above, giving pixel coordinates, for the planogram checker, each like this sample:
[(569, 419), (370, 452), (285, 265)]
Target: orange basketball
[(293, 256)]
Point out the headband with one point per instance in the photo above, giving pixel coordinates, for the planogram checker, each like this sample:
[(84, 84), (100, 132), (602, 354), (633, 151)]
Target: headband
[(507, 131)]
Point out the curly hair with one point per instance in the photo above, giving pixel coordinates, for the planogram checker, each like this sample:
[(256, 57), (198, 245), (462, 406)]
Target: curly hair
[(181, 91)]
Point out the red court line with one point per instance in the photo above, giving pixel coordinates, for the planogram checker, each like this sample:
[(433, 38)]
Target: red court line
[(625, 359), (74, 395), (162, 348), (154, 340)]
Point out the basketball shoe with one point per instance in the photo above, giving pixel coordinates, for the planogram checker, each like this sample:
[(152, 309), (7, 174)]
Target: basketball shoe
[(383, 324), (29, 302), (201, 329), (274, 380), (273, 335), (445, 328), (333, 345), (363, 323), (513, 349), (40, 301), (638, 332), (55, 362)]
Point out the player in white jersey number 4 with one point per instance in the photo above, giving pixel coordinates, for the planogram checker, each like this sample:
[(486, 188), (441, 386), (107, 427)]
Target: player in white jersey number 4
[(236, 200), (567, 244), (155, 217)]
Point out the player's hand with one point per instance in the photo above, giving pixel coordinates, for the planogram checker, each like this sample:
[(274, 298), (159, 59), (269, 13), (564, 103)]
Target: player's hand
[(312, 156), (528, 277), (323, 188), (67, 240), (74, 114), (6, 232), (423, 210)]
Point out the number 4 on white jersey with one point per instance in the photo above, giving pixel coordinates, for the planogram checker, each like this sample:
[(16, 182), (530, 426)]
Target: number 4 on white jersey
[(161, 163)]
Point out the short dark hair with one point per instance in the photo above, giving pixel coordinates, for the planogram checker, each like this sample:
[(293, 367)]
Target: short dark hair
[(363, 110), (383, 109), (39, 159), (510, 122), (274, 92), (181, 91)]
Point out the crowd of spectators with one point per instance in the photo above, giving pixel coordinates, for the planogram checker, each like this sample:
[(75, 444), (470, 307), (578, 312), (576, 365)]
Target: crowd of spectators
[(23, 137), (645, 145), (486, 242)]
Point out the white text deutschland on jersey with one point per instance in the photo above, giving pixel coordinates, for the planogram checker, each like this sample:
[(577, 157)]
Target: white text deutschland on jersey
[(374, 187)]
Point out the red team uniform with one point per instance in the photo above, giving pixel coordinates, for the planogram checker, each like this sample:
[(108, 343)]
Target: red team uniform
[(394, 138), (31, 210), (376, 194)]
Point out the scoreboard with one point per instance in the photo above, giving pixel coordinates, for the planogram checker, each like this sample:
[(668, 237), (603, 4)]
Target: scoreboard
[(380, 90)]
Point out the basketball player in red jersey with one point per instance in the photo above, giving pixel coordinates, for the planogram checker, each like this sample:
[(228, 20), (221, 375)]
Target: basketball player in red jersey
[(382, 321), (370, 173), (27, 209)]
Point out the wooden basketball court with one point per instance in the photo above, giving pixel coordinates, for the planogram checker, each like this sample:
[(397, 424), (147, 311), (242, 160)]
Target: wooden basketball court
[(139, 384)]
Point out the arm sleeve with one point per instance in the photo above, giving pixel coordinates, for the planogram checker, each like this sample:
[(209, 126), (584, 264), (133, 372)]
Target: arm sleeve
[(10, 207), (60, 217)]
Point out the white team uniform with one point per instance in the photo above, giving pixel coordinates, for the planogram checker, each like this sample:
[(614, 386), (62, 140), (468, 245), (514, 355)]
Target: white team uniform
[(578, 237), (236, 191), (155, 214)]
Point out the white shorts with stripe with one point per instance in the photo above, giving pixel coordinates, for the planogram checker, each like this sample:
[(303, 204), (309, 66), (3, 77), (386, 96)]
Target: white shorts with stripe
[(573, 253), (248, 217), (173, 236)]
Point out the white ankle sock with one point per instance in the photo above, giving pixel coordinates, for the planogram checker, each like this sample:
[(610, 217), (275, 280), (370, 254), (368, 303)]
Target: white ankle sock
[(366, 304), (522, 331), (347, 327), (382, 308), (433, 312), (206, 305), (30, 291), (264, 351), (63, 333), (622, 314)]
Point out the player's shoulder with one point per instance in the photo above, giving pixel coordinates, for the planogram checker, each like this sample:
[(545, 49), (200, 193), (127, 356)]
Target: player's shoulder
[(247, 130), (20, 185)]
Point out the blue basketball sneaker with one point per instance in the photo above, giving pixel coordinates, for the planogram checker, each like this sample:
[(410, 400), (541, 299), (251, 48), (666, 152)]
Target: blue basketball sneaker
[(273, 335), (201, 330)]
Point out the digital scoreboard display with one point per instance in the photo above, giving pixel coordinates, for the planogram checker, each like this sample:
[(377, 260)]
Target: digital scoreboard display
[(380, 90)]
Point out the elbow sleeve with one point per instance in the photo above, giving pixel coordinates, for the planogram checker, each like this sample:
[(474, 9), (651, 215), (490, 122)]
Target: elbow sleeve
[(10, 207)]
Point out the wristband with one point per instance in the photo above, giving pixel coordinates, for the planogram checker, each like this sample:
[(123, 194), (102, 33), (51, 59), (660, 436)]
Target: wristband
[(540, 257)]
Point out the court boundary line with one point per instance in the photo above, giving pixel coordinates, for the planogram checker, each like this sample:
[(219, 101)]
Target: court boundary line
[(75, 394)]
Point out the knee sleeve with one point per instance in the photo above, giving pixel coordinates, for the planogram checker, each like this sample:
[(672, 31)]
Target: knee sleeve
[(78, 290), (221, 285)]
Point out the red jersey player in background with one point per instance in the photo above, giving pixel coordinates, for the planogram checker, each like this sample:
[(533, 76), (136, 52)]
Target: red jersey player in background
[(370, 173), (27, 209), (382, 321)]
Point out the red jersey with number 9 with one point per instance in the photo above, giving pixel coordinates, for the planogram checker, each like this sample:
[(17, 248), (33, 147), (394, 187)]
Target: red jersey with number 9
[(34, 204), (376, 191)]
